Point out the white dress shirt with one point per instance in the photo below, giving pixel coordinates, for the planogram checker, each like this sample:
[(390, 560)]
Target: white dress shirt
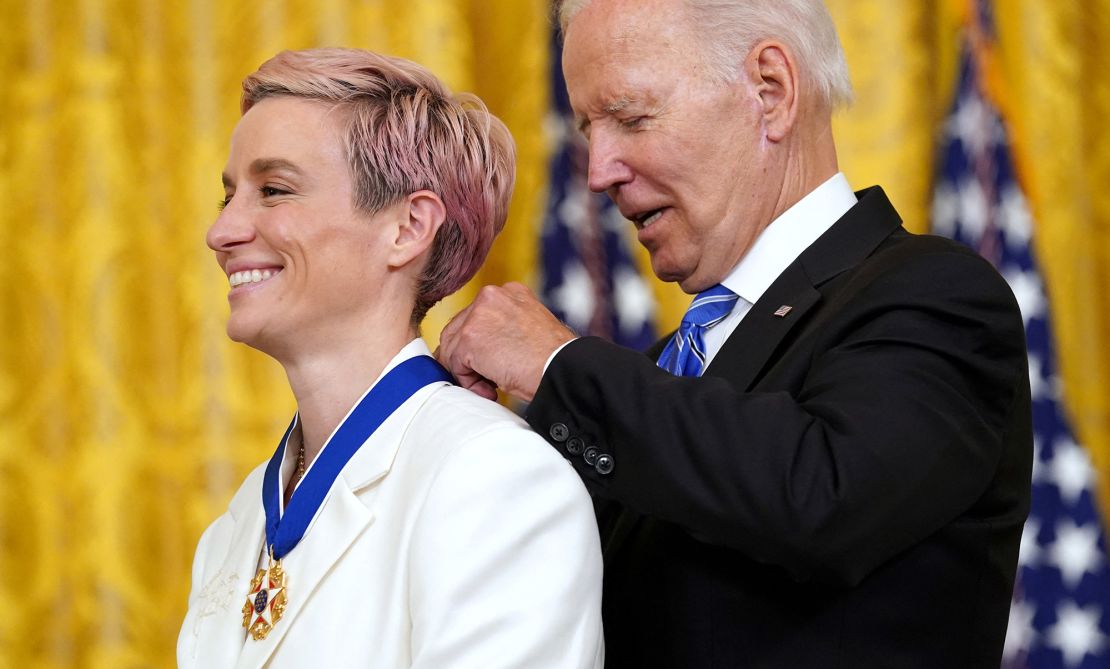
[(777, 246)]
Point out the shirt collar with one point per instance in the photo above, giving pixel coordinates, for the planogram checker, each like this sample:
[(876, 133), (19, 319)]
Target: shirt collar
[(788, 235)]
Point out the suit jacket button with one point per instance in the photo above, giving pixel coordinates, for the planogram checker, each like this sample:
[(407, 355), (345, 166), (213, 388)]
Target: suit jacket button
[(575, 445), (604, 464), (590, 456), (559, 432)]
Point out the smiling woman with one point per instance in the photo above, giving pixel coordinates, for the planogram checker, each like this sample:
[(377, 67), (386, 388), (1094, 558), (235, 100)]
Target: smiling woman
[(401, 520), (296, 250)]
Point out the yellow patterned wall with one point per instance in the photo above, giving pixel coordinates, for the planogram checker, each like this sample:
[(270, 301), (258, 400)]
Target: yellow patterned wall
[(126, 417)]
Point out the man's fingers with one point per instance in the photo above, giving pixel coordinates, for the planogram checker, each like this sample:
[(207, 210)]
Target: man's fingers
[(447, 335), (445, 354), (502, 339), (484, 388), (448, 355), (447, 351), (478, 384), (518, 289)]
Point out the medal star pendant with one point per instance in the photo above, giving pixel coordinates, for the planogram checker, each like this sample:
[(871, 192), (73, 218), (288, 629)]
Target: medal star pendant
[(266, 601)]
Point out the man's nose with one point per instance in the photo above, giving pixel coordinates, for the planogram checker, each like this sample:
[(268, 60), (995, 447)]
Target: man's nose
[(230, 229), (607, 165)]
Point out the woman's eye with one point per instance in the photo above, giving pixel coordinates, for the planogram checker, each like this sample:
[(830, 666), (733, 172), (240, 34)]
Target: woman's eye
[(270, 191), (223, 203)]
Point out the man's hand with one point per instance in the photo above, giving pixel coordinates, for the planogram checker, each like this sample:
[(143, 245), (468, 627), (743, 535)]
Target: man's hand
[(503, 339)]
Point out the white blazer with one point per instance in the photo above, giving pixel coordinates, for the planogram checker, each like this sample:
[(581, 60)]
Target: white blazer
[(455, 537)]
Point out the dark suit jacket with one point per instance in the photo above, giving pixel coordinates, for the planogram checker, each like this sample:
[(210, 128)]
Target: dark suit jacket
[(846, 485)]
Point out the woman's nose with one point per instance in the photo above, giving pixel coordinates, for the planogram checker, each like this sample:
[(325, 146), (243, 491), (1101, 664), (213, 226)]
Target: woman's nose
[(231, 228)]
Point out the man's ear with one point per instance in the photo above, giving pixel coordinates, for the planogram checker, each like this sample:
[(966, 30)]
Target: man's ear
[(774, 72), (421, 215)]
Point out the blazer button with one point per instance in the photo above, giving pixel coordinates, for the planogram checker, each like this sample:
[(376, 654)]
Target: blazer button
[(604, 464), (559, 432), (590, 456), (575, 445)]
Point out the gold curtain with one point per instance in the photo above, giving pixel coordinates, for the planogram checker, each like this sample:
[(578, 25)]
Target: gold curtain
[(126, 417), (1054, 88)]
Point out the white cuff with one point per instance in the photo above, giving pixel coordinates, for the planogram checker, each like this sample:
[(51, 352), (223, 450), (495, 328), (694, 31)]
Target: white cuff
[(553, 354)]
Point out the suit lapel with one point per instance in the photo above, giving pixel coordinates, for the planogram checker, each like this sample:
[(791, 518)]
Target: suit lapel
[(796, 292), (757, 336)]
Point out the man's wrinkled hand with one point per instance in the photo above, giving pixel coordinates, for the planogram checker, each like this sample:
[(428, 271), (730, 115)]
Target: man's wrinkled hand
[(501, 340)]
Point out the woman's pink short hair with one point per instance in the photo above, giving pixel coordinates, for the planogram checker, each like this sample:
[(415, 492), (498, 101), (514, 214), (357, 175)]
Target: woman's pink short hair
[(407, 132)]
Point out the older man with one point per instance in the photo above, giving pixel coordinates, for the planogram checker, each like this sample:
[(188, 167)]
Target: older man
[(828, 464)]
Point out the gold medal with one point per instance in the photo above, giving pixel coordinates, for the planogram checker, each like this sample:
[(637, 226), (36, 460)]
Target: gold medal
[(266, 600)]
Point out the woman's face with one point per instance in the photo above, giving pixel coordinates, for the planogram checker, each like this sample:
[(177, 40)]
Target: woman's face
[(300, 259)]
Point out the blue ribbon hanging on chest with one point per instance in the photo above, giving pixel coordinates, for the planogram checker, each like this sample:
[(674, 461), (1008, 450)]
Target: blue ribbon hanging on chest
[(268, 597)]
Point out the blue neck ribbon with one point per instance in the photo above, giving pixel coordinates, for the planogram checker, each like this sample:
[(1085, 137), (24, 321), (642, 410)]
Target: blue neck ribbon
[(284, 531)]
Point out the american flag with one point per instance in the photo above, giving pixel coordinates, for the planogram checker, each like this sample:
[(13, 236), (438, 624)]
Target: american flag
[(589, 278), (1060, 616)]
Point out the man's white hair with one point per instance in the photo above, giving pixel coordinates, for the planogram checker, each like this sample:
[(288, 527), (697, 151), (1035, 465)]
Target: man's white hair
[(730, 28)]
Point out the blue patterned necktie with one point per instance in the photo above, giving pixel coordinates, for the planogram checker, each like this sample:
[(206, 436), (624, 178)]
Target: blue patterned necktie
[(684, 354)]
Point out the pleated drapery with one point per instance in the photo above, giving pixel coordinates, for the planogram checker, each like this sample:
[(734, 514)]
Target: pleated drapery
[(127, 419)]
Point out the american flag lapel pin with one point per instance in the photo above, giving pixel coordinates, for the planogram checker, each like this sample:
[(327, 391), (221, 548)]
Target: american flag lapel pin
[(783, 310)]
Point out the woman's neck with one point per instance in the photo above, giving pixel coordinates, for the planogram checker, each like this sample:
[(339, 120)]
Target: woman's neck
[(327, 382)]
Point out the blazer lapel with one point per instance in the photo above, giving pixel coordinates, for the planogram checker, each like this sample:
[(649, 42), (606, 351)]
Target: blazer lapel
[(341, 519), (344, 516), (768, 322), (787, 301)]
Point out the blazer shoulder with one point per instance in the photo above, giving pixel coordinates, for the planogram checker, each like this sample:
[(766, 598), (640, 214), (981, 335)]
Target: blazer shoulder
[(455, 425), (942, 258), (454, 415)]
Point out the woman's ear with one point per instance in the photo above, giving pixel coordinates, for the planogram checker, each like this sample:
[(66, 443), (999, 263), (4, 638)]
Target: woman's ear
[(776, 78), (420, 217)]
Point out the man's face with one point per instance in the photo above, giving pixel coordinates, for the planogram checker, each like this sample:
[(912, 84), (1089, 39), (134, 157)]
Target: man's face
[(682, 155)]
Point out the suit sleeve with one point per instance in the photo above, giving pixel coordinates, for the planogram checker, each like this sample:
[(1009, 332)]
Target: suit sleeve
[(893, 425), (506, 561)]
